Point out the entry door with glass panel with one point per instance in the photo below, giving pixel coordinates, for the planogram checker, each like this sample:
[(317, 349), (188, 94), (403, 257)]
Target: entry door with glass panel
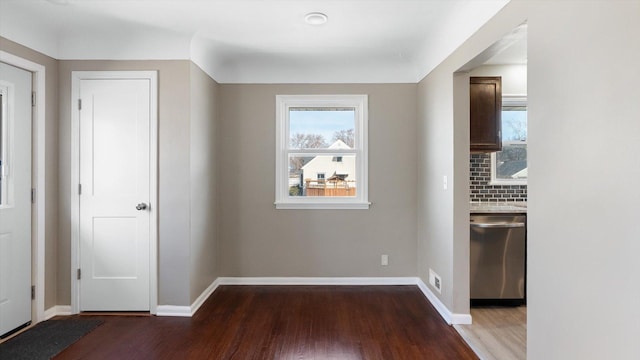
[(15, 198)]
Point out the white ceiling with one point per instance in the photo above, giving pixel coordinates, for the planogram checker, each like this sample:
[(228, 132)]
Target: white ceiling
[(255, 41), (515, 53)]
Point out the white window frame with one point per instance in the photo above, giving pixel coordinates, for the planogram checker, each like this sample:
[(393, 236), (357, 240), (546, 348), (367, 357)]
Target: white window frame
[(508, 100), (283, 104)]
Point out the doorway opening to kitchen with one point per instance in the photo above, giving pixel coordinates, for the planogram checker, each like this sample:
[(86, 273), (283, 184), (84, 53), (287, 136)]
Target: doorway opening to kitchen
[(497, 193)]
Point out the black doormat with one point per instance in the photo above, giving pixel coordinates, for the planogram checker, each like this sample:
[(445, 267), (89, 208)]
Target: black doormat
[(46, 339)]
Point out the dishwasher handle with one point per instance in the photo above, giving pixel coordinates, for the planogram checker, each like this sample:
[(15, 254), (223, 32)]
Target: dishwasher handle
[(498, 225)]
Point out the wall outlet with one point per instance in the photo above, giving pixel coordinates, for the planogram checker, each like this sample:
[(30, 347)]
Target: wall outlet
[(384, 260), (435, 281)]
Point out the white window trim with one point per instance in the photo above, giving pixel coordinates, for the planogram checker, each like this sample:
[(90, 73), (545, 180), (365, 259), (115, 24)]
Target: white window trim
[(283, 104), (508, 100)]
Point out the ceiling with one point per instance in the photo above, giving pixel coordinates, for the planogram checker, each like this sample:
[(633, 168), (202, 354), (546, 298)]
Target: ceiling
[(255, 41), (513, 53)]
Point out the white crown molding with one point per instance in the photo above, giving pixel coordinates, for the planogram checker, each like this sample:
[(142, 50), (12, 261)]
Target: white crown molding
[(115, 31)]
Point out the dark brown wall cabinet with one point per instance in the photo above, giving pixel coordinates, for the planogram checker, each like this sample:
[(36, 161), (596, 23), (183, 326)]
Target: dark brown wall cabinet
[(486, 109)]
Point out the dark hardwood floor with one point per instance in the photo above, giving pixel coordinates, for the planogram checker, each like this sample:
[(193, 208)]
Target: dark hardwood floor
[(284, 322)]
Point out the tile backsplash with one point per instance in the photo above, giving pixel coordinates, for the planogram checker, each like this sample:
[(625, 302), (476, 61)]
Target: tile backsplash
[(481, 191)]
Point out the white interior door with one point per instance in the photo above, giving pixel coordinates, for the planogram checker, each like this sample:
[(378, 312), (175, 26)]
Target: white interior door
[(15, 198), (114, 123)]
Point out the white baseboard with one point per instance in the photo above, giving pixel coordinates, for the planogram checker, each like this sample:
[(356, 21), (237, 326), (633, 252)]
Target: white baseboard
[(58, 310), (204, 296), (461, 319), (317, 280), (173, 310), (188, 311), (448, 316)]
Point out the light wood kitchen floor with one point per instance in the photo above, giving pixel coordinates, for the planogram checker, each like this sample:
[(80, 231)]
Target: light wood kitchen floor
[(497, 333)]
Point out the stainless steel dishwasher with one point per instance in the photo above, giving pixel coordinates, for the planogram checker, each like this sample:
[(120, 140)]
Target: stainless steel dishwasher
[(498, 259)]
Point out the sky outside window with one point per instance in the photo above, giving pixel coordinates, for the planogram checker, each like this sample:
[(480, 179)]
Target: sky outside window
[(514, 124), (321, 122)]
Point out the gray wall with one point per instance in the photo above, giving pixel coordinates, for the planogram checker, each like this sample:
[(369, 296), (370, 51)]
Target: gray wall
[(436, 160), (514, 77), (583, 107), (174, 180), (51, 163), (203, 174), (258, 240)]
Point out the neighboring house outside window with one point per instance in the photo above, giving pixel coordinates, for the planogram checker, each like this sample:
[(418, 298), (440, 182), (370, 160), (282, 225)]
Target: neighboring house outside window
[(509, 166), (321, 155)]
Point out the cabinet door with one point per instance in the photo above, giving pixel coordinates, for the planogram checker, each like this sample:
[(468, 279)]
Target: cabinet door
[(485, 113)]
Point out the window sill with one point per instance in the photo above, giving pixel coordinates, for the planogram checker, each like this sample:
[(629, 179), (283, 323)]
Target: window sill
[(322, 206)]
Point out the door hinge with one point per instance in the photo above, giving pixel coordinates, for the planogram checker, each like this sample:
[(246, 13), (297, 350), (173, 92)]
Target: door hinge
[(79, 274), (79, 189), (33, 292), (33, 98), (79, 104), (33, 196)]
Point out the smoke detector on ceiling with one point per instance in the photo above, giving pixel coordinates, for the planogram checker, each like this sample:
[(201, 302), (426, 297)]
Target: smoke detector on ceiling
[(315, 18), (59, 2)]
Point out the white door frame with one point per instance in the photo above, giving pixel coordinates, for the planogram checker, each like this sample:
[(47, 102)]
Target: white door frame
[(76, 76), (38, 177)]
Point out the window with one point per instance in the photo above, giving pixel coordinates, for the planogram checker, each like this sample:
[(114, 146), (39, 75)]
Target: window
[(321, 154), (509, 166)]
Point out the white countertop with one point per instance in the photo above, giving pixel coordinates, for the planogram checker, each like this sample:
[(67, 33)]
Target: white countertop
[(504, 207)]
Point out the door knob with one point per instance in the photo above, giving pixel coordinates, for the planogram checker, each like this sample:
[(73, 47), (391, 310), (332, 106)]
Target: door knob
[(141, 206)]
